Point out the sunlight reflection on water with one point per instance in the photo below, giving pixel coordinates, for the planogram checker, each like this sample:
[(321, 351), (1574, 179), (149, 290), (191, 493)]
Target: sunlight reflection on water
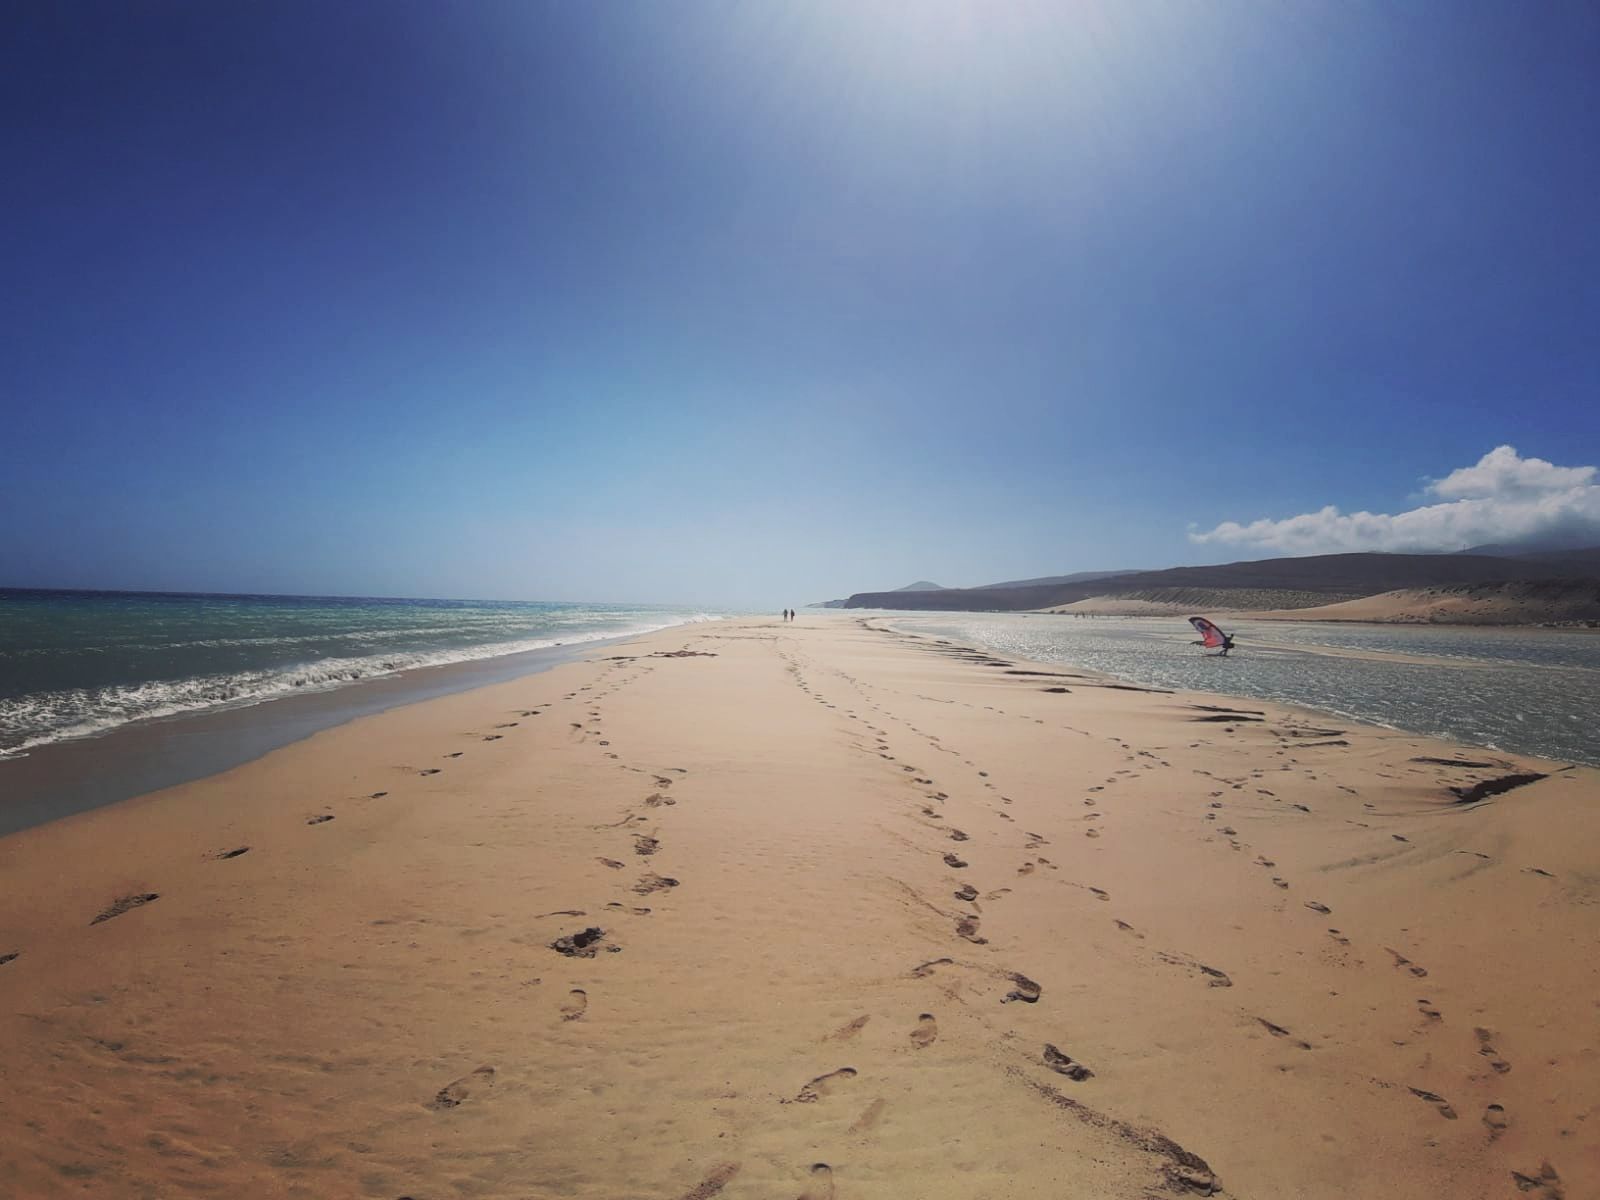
[(1526, 691)]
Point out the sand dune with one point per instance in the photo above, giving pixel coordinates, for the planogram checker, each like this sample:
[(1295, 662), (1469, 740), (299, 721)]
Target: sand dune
[(814, 910), (1568, 602)]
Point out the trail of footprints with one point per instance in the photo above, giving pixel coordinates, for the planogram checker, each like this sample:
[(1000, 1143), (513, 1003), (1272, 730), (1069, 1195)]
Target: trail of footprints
[(1495, 1118), (127, 903), (583, 943), (924, 1032)]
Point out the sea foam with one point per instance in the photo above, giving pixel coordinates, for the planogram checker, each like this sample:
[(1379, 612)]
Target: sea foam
[(42, 718)]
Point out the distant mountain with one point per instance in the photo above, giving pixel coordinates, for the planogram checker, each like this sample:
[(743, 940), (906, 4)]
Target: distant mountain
[(921, 585), (1047, 580), (1583, 561), (1538, 547), (1349, 575)]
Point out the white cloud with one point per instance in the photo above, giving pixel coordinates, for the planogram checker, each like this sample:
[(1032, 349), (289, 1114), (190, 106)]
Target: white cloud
[(1501, 498)]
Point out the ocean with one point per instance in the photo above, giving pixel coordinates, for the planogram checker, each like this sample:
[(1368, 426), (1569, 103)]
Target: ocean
[(1527, 691), (75, 665)]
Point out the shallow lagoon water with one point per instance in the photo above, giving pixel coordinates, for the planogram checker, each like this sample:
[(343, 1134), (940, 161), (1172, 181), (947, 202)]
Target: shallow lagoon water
[(1527, 691)]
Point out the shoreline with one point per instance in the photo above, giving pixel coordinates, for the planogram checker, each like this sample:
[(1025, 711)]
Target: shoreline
[(79, 774), (880, 916)]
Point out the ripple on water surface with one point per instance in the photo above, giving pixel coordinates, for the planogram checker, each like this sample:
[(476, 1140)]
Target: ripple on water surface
[(1528, 691)]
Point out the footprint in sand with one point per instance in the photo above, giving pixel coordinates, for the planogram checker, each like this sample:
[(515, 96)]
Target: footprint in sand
[(823, 1085), (1025, 990), (586, 943), (234, 853), (429, 771), (966, 892), (952, 860), (716, 1179), (923, 970), (124, 904), (576, 1005), (1280, 1031), (1317, 906), (1062, 1064), (821, 1187), (870, 1116), (1445, 1111), (453, 1094), (926, 1032), (319, 819), (849, 1029), (1546, 1185), (610, 862), (967, 927), (1488, 1051), (377, 795), (1400, 960), (651, 882)]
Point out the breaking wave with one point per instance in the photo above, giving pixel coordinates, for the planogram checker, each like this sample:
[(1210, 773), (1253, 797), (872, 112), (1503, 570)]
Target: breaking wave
[(41, 718)]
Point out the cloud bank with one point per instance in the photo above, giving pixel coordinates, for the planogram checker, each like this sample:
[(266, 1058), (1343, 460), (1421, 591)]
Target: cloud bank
[(1502, 498)]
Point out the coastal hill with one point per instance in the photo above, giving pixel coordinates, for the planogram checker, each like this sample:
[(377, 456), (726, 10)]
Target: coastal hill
[(1309, 587), (921, 585)]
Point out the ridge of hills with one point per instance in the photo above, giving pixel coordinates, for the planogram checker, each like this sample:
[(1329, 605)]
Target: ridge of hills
[(1280, 584)]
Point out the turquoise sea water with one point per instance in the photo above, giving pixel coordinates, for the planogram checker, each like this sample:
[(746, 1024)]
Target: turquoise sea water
[(1529, 691), (74, 664)]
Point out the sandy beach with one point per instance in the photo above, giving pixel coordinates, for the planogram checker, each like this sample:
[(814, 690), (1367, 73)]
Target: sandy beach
[(815, 910)]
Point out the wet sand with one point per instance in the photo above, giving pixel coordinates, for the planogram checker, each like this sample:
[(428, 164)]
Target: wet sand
[(814, 910)]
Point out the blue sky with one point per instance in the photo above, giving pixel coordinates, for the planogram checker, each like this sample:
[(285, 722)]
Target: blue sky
[(757, 304)]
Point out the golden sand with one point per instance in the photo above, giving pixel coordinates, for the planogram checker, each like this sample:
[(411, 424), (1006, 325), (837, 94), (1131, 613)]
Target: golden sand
[(877, 917)]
